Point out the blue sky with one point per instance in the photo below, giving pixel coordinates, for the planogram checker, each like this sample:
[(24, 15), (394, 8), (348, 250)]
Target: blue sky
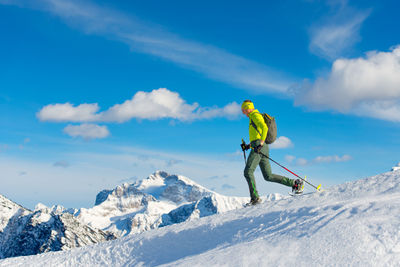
[(97, 93)]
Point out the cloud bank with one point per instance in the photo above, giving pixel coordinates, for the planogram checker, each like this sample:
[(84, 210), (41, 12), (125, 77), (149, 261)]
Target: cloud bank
[(317, 160), (157, 104), (367, 86)]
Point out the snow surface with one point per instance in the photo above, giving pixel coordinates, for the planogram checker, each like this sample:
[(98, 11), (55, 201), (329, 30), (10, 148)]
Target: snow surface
[(353, 224), (396, 168)]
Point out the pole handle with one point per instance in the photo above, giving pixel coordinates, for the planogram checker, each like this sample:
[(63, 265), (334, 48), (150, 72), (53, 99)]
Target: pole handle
[(244, 152)]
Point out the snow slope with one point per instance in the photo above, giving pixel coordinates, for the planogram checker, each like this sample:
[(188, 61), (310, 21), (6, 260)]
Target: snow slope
[(354, 224)]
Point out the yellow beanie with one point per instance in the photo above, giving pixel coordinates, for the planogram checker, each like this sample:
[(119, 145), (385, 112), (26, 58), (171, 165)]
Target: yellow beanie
[(247, 105)]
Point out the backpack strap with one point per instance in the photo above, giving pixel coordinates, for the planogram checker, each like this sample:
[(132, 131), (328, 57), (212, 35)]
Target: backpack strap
[(254, 125)]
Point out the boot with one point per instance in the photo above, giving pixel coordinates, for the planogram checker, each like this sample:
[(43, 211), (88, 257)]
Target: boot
[(298, 186), (254, 201)]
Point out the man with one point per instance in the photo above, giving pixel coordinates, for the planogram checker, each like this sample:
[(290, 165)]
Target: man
[(258, 146)]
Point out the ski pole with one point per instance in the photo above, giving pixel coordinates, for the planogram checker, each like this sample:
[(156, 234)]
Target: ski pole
[(244, 152), (316, 187)]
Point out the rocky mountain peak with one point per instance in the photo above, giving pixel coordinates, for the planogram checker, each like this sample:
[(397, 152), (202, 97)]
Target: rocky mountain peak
[(24, 232)]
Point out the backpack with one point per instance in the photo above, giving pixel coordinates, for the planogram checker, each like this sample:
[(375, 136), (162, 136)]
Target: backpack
[(272, 129)]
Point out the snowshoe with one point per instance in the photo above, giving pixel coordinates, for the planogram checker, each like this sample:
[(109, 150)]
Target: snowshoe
[(254, 202), (298, 186)]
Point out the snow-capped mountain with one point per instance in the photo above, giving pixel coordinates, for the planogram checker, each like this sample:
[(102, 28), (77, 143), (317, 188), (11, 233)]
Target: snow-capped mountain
[(396, 168), (9, 209), (353, 224), (159, 200), (25, 232)]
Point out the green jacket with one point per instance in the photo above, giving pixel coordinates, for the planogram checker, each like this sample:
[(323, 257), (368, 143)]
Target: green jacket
[(262, 127)]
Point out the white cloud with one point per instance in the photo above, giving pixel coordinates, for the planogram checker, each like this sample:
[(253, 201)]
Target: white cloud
[(368, 86), (301, 162), (230, 111), (327, 159), (87, 131), (281, 142), (290, 158), (318, 159), (157, 104), (68, 113), (384, 110), (154, 40), (62, 163), (172, 162), (340, 32)]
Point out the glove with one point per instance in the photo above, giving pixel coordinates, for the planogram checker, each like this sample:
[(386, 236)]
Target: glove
[(245, 147), (257, 149)]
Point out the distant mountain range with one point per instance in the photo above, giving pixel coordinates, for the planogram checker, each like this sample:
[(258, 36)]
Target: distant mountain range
[(159, 200), (24, 232)]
